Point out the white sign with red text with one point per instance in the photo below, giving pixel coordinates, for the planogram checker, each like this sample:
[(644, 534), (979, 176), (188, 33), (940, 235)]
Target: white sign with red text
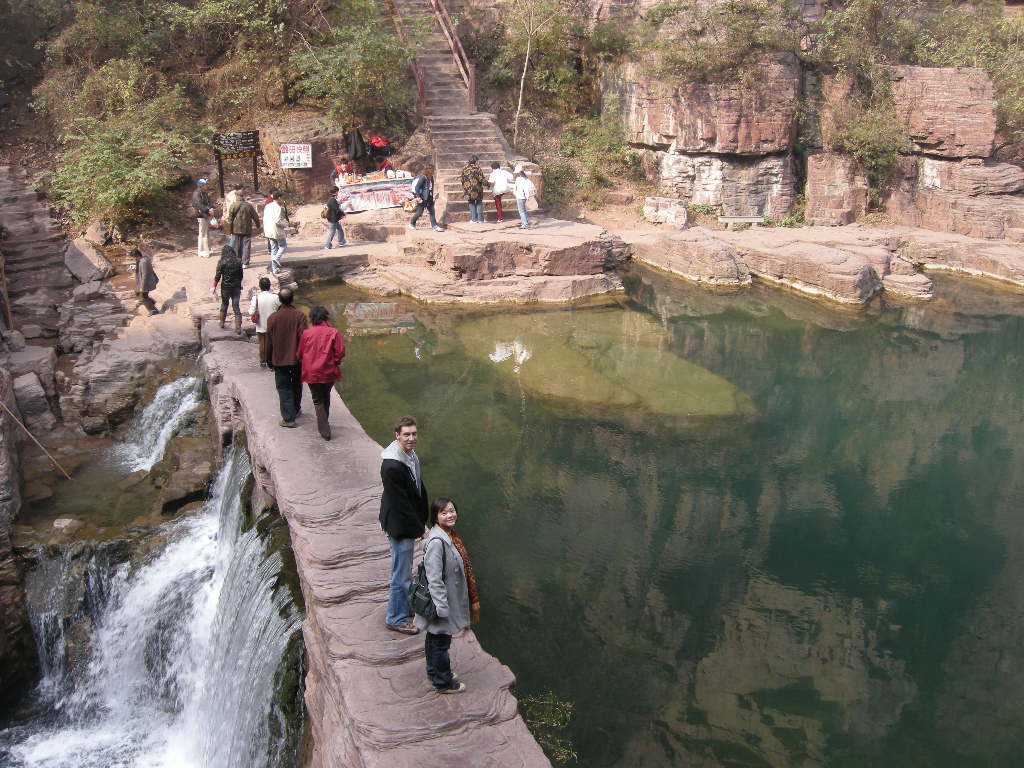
[(296, 155)]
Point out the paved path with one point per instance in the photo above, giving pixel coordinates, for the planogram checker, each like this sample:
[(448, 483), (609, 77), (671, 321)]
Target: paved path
[(369, 701)]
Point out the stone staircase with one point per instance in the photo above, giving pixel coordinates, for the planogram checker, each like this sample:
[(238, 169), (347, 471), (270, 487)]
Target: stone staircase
[(38, 281), (456, 129)]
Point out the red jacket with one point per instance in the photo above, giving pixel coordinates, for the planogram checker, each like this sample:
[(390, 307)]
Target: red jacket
[(321, 350)]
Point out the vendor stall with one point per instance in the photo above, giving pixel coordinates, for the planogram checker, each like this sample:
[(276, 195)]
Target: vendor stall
[(373, 194)]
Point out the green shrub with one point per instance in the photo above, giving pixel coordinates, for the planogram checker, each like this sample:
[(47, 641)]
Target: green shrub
[(702, 209), (119, 168), (548, 718)]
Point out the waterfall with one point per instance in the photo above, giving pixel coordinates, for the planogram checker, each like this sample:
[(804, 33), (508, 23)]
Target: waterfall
[(185, 653), (172, 404)]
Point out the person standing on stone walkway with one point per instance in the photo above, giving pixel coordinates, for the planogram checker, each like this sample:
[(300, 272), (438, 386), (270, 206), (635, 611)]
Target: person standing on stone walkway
[(240, 221), (423, 192), (275, 229), (472, 180), (524, 189), (403, 517), (229, 278), (145, 279), (321, 351), (452, 585), (334, 217), (284, 331), (501, 181), (261, 307), (202, 205)]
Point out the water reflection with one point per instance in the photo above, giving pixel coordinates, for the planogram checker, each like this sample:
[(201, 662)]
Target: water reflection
[(834, 582)]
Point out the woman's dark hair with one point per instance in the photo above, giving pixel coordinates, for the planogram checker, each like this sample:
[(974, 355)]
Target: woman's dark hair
[(439, 504), (318, 315), (227, 252), (136, 254)]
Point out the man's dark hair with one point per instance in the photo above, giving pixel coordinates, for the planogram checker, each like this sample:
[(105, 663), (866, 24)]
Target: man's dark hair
[(473, 159), (405, 421), (276, 194), (437, 507), (318, 315), (136, 254), (495, 165), (286, 295), (333, 190), (264, 283)]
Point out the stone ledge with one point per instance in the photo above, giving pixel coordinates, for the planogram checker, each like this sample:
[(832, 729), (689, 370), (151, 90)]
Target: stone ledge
[(368, 698)]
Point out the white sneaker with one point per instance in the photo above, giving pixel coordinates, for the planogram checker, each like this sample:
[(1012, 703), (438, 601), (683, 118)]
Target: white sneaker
[(439, 229), (412, 226)]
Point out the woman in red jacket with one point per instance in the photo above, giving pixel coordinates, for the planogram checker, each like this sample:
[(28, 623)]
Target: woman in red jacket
[(320, 352)]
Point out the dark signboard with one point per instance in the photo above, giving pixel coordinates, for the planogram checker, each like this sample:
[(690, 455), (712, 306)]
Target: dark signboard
[(235, 146)]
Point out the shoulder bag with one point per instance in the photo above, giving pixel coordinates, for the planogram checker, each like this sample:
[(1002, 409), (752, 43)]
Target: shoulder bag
[(420, 601)]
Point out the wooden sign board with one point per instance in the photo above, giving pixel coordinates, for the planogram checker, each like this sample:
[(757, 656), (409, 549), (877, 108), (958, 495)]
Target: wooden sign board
[(237, 146)]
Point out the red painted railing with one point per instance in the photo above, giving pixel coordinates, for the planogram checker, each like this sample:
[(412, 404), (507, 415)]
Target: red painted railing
[(462, 63)]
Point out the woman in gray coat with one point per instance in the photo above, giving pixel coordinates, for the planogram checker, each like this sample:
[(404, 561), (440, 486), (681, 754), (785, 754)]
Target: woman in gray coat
[(452, 588), (145, 279)]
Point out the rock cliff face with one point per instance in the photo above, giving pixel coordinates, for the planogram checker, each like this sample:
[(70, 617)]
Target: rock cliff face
[(724, 144), (837, 190)]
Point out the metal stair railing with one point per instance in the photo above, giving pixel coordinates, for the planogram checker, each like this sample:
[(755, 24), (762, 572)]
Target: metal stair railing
[(462, 62)]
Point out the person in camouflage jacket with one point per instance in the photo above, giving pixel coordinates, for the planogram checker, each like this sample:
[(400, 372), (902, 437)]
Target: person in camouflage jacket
[(473, 181)]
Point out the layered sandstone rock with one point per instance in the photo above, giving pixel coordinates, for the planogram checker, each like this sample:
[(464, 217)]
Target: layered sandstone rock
[(837, 190), (722, 118), (693, 254), (739, 186), (666, 210), (949, 111), (85, 262), (725, 144), (956, 253)]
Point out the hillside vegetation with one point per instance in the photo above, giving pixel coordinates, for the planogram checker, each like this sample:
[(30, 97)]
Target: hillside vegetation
[(132, 86)]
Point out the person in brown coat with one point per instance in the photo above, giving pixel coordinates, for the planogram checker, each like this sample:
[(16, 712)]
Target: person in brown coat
[(284, 331), (240, 221)]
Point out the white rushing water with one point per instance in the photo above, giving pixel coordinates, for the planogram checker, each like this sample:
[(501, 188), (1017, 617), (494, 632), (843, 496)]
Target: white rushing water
[(172, 404), (185, 652)]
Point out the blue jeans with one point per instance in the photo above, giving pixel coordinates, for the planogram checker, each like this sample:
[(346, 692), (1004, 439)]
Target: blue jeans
[(243, 247), (476, 210), (401, 580), (524, 217), (277, 249), (428, 206), (233, 295), (439, 663), (336, 229)]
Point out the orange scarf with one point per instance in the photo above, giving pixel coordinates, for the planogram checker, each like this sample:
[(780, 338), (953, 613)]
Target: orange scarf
[(474, 597)]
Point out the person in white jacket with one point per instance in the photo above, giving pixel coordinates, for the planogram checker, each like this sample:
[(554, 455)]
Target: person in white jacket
[(261, 307), (501, 181), (524, 189), (275, 223)]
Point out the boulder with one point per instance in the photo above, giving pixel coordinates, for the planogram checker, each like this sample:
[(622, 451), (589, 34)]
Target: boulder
[(914, 286), (732, 117), (949, 111), (32, 402), (739, 186), (837, 190), (693, 254), (41, 361), (85, 262), (191, 460), (666, 210), (467, 252)]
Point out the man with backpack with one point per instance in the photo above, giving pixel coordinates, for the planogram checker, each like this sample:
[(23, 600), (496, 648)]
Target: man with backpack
[(472, 179), (242, 221), (333, 214)]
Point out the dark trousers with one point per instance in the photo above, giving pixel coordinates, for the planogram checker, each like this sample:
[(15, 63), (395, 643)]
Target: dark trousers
[(428, 206), (232, 295), (263, 346), (243, 247), (321, 394), (288, 380), (439, 666)]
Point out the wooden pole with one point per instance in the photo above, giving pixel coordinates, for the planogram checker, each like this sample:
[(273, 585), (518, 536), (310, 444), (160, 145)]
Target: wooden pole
[(255, 178), (41, 446), (220, 174)]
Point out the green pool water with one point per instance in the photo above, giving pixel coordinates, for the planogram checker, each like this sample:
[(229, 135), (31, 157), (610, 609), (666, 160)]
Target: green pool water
[(732, 530)]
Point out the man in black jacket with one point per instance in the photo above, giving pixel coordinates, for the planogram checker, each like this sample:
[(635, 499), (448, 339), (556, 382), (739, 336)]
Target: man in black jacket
[(334, 217), (403, 516), (202, 205)]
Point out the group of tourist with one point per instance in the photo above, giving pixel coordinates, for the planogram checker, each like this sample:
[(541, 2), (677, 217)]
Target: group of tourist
[(240, 221), (502, 181), (406, 517)]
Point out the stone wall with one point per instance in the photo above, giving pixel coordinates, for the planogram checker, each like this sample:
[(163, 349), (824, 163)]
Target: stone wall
[(723, 144)]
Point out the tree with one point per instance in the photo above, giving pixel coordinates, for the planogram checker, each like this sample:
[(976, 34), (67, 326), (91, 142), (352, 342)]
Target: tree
[(528, 21)]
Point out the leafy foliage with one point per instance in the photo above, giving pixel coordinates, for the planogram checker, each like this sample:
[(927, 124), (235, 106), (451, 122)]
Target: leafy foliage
[(548, 718)]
